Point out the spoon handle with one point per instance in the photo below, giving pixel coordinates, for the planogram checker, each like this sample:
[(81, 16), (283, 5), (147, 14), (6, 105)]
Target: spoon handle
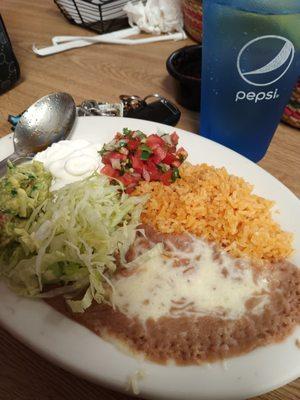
[(3, 164)]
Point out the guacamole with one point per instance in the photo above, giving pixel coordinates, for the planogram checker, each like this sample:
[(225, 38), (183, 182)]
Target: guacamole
[(22, 190)]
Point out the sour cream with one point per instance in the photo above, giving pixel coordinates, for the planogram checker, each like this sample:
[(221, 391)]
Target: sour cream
[(69, 161)]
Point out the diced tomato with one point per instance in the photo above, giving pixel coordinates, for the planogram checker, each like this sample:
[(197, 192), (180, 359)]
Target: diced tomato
[(110, 171), (153, 171), (154, 141), (137, 163), (169, 159), (166, 178), (176, 163), (117, 156), (127, 179), (130, 181), (109, 156), (174, 138), (106, 157), (159, 153), (133, 144)]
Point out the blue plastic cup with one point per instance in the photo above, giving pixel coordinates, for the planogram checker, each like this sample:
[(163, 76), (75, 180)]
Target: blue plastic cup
[(250, 63)]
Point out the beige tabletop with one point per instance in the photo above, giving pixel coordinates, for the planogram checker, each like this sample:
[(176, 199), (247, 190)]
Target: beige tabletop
[(101, 72)]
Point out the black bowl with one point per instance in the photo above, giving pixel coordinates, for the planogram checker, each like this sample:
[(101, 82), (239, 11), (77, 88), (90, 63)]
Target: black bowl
[(185, 67)]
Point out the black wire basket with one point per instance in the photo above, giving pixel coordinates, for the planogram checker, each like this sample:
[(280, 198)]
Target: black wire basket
[(98, 15)]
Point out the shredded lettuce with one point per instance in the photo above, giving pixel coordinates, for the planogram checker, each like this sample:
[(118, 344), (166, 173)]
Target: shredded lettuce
[(73, 242)]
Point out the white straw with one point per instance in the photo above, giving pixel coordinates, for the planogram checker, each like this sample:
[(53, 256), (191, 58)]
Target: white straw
[(91, 39), (102, 39)]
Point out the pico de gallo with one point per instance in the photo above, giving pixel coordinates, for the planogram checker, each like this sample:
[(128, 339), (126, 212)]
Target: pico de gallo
[(133, 156)]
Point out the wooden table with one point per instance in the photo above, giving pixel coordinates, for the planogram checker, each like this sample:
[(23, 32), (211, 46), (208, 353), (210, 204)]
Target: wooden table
[(101, 72)]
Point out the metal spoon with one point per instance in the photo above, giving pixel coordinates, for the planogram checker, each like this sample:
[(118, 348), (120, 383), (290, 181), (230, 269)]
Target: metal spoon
[(48, 120)]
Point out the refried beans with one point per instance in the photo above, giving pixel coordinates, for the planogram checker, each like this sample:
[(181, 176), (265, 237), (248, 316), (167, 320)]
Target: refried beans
[(192, 302)]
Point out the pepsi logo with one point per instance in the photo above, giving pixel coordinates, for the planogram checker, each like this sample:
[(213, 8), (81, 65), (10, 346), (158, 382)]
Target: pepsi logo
[(265, 59)]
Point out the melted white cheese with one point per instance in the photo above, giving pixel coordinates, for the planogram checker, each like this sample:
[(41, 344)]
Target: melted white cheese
[(158, 288), (69, 161)]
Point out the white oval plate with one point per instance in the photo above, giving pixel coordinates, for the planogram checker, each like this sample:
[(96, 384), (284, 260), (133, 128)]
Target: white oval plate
[(75, 348)]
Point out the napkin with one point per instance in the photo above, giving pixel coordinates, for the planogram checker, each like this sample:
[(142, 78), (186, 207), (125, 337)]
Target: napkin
[(156, 16)]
